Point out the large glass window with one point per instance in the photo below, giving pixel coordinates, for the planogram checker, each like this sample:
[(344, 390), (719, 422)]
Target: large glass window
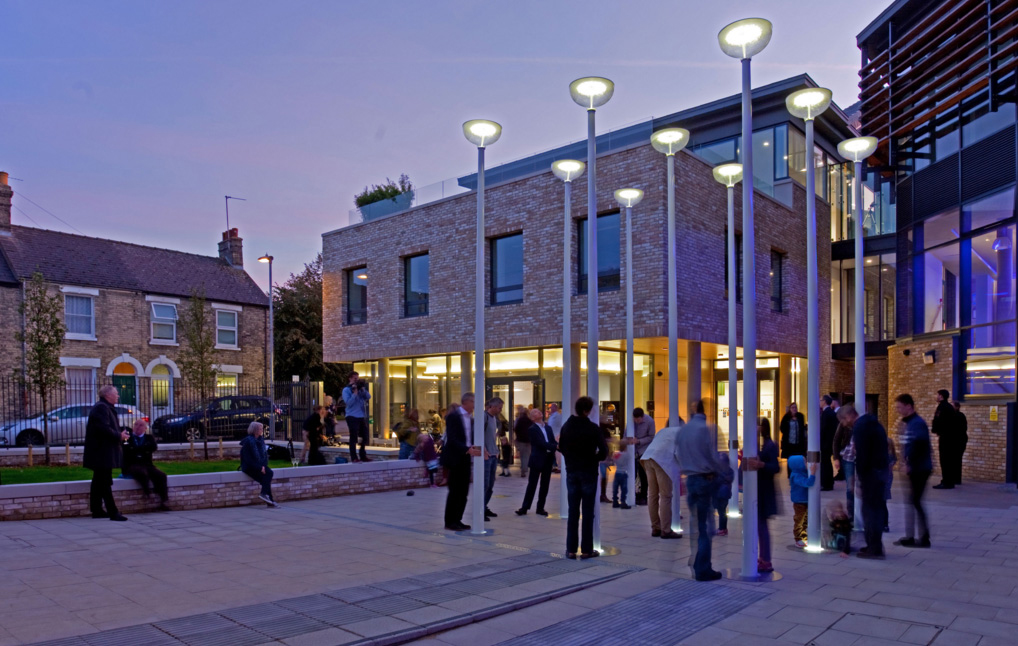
[(879, 274), (993, 276), (609, 256), (718, 152), (941, 272), (357, 296), (978, 122), (417, 285), (990, 360), (79, 315), (507, 269), (164, 322), (989, 210), (797, 155), (941, 228), (226, 329)]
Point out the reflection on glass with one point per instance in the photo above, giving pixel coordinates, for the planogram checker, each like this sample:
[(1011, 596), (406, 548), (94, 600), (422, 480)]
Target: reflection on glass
[(941, 228), (609, 254), (990, 365), (993, 277), (989, 210), (941, 268)]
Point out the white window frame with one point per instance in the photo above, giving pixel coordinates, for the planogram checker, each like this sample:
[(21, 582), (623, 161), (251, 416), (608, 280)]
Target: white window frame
[(156, 320), (73, 390), (235, 329), (80, 336)]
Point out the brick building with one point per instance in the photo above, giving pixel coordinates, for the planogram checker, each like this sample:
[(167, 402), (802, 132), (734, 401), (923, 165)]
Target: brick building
[(121, 305), (399, 289)]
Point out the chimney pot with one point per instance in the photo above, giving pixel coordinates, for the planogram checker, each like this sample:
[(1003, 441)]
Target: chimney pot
[(231, 248), (6, 193)]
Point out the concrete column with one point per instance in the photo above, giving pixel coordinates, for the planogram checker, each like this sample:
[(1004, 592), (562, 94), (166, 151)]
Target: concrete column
[(574, 378), (694, 376), (466, 376), (382, 388)]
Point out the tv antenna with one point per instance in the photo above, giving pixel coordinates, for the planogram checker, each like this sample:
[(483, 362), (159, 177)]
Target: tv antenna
[(228, 198)]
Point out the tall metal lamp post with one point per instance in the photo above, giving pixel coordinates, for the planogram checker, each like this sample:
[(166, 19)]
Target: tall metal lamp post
[(272, 351), (730, 175), (858, 149), (627, 199), (567, 170), (744, 39), (481, 133), (670, 141), (807, 105)]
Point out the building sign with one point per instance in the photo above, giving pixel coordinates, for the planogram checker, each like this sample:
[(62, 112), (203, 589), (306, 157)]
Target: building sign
[(993, 414)]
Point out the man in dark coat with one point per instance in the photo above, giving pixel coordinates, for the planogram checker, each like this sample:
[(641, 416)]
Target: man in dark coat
[(962, 424), (583, 447), (138, 450), (542, 459), (103, 438), (456, 454), (828, 427), (945, 427), (871, 466)]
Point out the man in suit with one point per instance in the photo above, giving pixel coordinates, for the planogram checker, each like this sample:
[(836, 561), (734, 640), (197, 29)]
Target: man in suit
[(456, 454), (102, 452), (828, 427), (542, 459), (583, 447), (945, 427), (870, 440), (138, 450)]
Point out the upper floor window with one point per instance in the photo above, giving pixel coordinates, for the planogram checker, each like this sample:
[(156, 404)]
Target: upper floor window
[(416, 285), (507, 269), (164, 322), (776, 261), (79, 316), (609, 254), (357, 296), (226, 329)]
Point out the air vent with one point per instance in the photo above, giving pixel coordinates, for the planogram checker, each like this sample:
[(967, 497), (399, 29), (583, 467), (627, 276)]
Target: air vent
[(988, 164), (936, 187)]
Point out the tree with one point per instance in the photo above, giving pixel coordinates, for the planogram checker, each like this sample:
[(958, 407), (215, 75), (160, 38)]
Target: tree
[(198, 358), (298, 340), (43, 336)]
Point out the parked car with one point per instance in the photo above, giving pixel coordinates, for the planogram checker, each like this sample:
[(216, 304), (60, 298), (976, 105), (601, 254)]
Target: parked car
[(226, 417), (66, 425)]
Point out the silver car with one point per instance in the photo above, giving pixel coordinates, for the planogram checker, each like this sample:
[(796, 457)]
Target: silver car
[(66, 425)]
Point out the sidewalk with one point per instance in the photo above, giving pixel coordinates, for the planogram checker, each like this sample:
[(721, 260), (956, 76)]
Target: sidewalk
[(77, 577)]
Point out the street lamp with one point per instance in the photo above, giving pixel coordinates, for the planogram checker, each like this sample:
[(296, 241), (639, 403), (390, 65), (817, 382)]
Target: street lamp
[(567, 170), (807, 105), (744, 39), (628, 198), (481, 133), (272, 352), (858, 149), (730, 175), (670, 141)]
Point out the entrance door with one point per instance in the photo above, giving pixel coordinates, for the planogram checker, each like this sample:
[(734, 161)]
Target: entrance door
[(162, 391), (767, 390), (527, 392)]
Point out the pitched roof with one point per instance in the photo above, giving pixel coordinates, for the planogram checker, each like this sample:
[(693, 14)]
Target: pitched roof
[(94, 262)]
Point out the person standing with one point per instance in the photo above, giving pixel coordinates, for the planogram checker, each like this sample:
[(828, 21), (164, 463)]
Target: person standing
[(793, 433), (828, 427), (103, 438), (962, 423), (582, 445), (407, 434), (555, 420), (492, 412), (661, 464), (521, 438), (945, 427), (698, 460), (643, 433), (870, 441), (801, 478), (767, 466), (356, 397), (844, 453), (254, 461), (137, 463), (918, 466), (542, 458), (314, 435), (456, 454)]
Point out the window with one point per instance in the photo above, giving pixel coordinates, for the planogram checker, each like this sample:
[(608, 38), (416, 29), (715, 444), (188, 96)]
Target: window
[(226, 383), (609, 254), (879, 280), (718, 152), (941, 269), (941, 228), (978, 122), (164, 322), (226, 329), (738, 263), (79, 316), (80, 385), (989, 210), (507, 270), (357, 296), (416, 285), (776, 258)]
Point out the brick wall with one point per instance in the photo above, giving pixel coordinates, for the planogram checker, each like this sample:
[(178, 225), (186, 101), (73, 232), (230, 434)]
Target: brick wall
[(842, 380), (10, 348), (211, 490), (985, 455)]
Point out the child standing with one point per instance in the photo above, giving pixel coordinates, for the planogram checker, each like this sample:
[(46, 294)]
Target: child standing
[(425, 450), (621, 480), (801, 479)]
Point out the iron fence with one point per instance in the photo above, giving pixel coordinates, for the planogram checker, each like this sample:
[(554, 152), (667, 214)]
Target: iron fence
[(175, 410)]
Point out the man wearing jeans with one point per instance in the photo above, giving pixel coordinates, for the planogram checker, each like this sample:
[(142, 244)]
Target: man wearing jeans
[(698, 460), (491, 413), (583, 447), (356, 396)]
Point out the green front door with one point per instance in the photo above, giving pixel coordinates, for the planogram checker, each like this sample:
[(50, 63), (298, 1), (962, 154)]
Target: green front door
[(128, 389)]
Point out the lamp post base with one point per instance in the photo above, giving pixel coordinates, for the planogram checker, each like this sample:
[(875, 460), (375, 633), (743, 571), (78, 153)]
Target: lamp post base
[(469, 532), (735, 574)]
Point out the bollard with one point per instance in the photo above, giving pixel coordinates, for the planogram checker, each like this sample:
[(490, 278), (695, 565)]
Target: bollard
[(192, 449), (29, 455), (220, 449), (67, 452)]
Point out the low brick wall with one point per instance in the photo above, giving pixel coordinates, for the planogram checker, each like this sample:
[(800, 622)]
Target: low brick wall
[(209, 490)]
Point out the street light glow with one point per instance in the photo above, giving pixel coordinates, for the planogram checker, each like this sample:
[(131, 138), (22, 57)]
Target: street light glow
[(669, 140), (568, 169), (858, 148), (482, 132), (728, 174), (745, 38), (591, 91), (808, 99), (628, 196), (265, 258), (743, 35)]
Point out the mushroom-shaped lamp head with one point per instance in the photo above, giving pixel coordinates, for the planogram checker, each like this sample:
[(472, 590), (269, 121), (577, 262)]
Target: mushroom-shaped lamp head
[(858, 148), (482, 132), (568, 169), (728, 174), (628, 196), (745, 38), (591, 91), (669, 140), (809, 103)]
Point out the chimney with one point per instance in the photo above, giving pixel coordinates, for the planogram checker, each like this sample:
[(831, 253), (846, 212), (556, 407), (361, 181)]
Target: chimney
[(231, 248), (5, 205)]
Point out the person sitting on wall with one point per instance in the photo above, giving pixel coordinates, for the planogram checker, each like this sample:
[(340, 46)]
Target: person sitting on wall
[(137, 463), (254, 461)]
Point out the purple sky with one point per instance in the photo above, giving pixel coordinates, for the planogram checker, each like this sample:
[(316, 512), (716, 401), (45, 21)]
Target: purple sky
[(131, 120)]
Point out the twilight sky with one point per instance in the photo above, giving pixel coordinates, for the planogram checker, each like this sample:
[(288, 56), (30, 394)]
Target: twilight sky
[(131, 120)]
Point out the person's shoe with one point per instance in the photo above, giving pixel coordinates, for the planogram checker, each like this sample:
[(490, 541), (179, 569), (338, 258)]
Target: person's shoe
[(488, 512), (800, 543), (722, 532), (354, 460), (624, 506), (943, 486), (642, 502), (764, 567), (163, 507), (605, 499), (118, 517), (907, 541), (453, 528), (541, 512), (570, 555), (590, 555), (864, 554), (267, 499), (713, 575), (615, 504), (521, 512), (655, 533), (671, 535), (100, 514), (924, 542), (366, 459)]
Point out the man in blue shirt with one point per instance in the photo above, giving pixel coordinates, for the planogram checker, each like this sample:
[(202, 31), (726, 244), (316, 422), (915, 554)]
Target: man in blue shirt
[(918, 466), (356, 396)]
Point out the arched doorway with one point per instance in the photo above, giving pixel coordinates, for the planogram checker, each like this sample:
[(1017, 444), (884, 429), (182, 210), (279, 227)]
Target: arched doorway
[(162, 390), (125, 378)]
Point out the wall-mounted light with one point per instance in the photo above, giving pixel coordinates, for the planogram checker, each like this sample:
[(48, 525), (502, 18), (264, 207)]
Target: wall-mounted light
[(930, 357)]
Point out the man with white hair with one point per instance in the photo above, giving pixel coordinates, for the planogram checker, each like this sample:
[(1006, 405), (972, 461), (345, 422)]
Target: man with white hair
[(254, 461), (137, 463), (103, 438)]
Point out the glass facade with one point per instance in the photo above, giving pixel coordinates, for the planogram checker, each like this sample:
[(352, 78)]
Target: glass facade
[(771, 155), (416, 285), (507, 270), (609, 254), (880, 277)]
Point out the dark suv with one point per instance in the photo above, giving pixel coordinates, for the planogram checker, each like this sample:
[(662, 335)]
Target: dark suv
[(225, 417)]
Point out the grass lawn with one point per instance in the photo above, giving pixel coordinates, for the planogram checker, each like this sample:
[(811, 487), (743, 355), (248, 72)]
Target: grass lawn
[(31, 475)]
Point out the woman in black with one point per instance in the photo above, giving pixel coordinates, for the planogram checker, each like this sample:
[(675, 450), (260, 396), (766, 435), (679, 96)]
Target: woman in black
[(314, 433), (766, 465)]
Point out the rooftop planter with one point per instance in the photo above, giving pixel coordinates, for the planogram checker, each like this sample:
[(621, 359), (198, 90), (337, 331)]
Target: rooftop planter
[(382, 199)]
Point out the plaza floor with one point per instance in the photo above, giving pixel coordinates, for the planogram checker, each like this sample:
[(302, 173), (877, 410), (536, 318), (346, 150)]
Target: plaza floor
[(378, 568)]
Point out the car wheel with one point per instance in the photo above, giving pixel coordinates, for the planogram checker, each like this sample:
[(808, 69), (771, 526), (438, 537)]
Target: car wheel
[(32, 437), (192, 434)]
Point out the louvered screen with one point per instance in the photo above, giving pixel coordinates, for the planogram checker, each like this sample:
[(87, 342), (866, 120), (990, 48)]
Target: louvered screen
[(988, 164), (936, 187)]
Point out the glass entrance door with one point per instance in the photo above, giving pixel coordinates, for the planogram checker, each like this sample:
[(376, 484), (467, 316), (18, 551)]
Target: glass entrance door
[(527, 392), (767, 387)]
